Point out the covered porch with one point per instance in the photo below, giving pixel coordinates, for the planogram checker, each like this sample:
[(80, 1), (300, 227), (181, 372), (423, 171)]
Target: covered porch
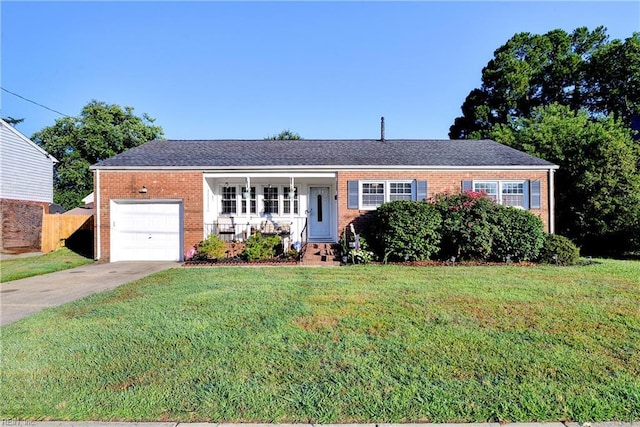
[(299, 207)]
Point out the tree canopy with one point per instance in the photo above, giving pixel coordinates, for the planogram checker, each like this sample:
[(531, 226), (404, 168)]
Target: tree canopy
[(582, 70), (598, 183), (12, 121), (99, 132), (284, 135)]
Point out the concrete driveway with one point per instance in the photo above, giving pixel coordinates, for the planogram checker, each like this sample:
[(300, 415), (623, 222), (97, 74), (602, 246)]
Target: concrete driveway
[(21, 298)]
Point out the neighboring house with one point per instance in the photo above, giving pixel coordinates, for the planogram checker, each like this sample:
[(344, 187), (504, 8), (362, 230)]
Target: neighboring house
[(158, 200), (87, 208), (26, 190)]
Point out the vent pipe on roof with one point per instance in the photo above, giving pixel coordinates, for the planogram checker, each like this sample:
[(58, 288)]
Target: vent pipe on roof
[(382, 128)]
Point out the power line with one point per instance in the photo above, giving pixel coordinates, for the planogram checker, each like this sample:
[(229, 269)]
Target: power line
[(34, 102)]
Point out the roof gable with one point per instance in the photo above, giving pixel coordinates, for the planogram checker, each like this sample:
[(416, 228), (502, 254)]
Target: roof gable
[(8, 128)]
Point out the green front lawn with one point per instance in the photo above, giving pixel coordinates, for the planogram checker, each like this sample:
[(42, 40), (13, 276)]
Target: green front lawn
[(350, 344), (61, 259)]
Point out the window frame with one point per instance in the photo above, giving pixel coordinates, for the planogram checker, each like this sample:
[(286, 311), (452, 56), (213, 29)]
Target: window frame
[(273, 203), (252, 200), (500, 185), (232, 202), (386, 191), (286, 201)]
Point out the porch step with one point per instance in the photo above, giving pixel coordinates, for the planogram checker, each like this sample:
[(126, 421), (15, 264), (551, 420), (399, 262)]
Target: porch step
[(320, 254)]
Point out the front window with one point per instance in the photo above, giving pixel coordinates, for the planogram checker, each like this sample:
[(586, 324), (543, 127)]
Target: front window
[(490, 188), (513, 194), (251, 199), (228, 200), (400, 191), (508, 193), (270, 200), (286, 208), (372, 194)]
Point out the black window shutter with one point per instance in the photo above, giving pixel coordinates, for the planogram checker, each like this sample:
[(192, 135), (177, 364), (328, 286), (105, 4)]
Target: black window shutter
[(535, 196), (467, 186), (421, 191), (352, 194), (526, 194)]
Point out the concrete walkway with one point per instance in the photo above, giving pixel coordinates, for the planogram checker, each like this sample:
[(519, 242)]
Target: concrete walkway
[(21, 298), (16, 423)]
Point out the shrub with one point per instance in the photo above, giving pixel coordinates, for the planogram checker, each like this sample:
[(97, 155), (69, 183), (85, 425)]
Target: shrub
[(291, 254), (519, 234), (356, 252), (566, 251), (467, 227), (211, 248), (259, 247), (406, 228)]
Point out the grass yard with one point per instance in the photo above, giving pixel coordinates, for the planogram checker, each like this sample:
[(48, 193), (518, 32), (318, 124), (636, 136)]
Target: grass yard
[(19, 268), (350, 344)]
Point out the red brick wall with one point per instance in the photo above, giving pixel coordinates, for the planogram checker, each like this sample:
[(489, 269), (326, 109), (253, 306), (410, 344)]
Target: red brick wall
[(438, 182), (21, 225), (184, 186)]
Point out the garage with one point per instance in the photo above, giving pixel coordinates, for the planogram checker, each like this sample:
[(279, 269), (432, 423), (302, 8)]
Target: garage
[(146, 231)]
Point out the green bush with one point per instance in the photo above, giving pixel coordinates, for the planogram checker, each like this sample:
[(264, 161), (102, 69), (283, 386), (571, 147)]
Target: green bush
[(406, 228), (259, 247), (356, 253), (467, 226), (519, 234), (555, 245), (211, 248)]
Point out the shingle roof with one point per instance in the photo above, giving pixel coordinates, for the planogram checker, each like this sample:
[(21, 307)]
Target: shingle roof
[(209, 154)]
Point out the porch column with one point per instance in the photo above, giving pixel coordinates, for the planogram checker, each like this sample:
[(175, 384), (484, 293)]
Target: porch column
[(247, 203)]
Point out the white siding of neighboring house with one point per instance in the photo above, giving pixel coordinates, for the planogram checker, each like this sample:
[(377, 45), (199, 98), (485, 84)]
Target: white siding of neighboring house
[(26, 171)]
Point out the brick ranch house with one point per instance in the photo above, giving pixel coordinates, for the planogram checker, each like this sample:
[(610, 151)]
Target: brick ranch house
[(158, 200)]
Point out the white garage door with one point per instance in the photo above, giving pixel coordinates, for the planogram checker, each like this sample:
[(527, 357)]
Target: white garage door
[(146, 231)]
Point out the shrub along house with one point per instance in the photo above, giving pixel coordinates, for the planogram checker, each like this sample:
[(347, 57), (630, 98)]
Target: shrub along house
[(156, 201)]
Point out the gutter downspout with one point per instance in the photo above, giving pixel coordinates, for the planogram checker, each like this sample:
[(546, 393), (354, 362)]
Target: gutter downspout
[(552, 205), (97, 202)]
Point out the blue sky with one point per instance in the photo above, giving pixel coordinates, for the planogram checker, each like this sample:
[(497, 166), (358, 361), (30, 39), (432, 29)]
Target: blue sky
[(247, 70)]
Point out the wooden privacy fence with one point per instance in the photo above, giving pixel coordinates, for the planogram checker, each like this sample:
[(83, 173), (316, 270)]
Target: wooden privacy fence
[(56, 229)]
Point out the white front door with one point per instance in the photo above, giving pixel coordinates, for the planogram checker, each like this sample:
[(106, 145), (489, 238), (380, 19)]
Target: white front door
[(319, 213)]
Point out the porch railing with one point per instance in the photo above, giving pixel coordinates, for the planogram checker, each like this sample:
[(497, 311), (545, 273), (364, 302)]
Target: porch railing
[(237, 230)]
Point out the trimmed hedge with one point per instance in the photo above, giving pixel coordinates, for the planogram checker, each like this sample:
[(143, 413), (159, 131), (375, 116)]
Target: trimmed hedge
[(404, 228), (555, 245), (468, 228), (519, 234)]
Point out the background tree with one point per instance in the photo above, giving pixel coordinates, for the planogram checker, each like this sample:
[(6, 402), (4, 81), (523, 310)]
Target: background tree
[(13, 122), (598, 183), (284, 135), (582, 70), (100, 131)]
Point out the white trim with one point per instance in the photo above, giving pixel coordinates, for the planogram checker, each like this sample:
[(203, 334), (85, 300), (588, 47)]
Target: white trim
[(27, 140), (98, 222)]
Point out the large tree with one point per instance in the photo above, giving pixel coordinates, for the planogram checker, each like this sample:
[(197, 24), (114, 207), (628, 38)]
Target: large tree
[(100, 131), (598, 183), (284, 135), (582, 70)]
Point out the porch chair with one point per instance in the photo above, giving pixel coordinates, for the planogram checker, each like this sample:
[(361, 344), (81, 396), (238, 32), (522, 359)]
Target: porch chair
[(226, 229)]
